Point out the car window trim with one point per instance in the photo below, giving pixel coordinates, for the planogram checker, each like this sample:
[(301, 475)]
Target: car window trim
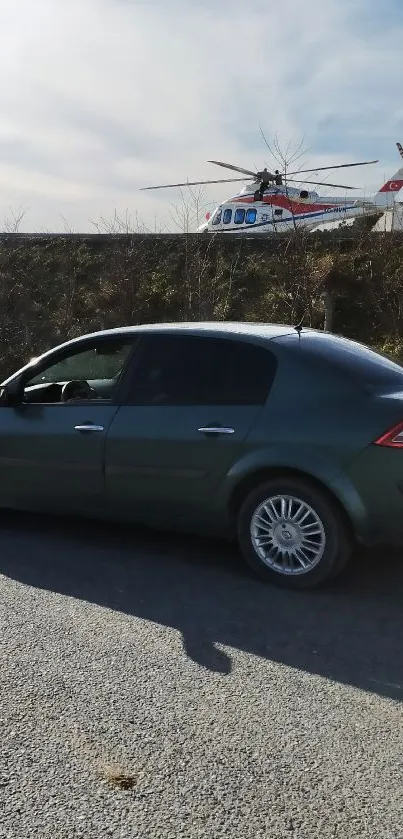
[(131, 371)]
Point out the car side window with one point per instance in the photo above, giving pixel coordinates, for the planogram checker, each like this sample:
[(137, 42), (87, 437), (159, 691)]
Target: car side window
[(98, 365), (188, 370)]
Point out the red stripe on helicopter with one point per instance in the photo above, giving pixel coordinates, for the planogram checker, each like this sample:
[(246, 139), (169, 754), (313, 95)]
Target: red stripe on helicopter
[(285, 203)]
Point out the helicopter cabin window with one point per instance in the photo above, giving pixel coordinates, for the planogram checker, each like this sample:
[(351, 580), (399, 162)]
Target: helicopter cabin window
[(217, 218), (227, 216), (239, 216), (250, 217), (278, 212)]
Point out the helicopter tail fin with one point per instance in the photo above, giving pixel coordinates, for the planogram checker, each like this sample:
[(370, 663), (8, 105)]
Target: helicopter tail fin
[(386, 195), (394, 184)]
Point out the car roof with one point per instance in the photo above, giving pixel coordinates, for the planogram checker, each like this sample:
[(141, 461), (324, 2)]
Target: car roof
[(349, 357), (258, 331), (267, 331), (310, 344)]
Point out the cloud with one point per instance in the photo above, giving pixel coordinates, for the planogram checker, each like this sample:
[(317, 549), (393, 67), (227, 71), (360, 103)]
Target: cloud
[(102, 97)]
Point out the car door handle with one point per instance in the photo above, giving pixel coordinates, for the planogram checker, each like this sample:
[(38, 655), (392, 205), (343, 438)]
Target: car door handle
[(88, 428), (216, 429)]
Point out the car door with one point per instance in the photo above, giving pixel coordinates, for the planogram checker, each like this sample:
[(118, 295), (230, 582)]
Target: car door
[(190, 406), (51, 451)]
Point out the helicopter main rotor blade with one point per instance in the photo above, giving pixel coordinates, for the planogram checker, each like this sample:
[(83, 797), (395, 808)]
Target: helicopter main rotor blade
[(234, 168), (196, 183), (339, 166), (319, 183)]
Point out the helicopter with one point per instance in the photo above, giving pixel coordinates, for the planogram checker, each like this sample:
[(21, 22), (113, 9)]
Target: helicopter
[(270, 203)]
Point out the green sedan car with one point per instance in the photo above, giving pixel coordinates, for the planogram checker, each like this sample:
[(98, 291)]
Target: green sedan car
[(288, 440)]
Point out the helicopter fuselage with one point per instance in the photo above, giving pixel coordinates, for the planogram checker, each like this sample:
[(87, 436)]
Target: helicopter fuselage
[(281, 209)]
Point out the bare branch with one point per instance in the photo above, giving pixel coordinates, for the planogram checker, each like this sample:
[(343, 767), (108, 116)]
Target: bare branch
[(12, 223), (189, 214), (67, 226), (272, 152), (123, 225)]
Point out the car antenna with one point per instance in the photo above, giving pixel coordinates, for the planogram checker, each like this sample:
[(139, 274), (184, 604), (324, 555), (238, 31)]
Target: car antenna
[(299, 326)]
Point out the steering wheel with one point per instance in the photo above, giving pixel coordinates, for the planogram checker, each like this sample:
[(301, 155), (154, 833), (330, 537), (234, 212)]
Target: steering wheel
[(77, 390)]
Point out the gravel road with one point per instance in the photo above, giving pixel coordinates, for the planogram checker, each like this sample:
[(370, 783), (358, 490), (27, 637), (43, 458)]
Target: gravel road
[(151, 688)]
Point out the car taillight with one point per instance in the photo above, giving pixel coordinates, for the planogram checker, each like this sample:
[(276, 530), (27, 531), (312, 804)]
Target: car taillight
[(392, 439)]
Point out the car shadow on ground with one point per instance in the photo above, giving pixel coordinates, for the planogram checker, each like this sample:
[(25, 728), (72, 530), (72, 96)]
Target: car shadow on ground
[(349, 632)]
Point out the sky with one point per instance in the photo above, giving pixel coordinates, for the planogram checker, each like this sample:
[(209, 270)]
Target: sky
[(102, 97)]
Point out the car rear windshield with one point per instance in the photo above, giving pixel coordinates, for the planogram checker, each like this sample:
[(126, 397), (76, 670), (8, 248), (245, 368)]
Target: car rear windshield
[(353, 359)]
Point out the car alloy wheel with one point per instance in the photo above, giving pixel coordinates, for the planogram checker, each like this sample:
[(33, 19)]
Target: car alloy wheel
[(287, 534), (292, 533)]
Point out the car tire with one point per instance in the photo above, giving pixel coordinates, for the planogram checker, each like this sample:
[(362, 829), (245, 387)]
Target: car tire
[(291, 534)]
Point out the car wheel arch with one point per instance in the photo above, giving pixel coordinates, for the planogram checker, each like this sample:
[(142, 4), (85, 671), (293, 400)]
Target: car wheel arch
[(253, 479)]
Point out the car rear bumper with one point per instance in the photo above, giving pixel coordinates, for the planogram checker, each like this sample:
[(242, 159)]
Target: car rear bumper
[(374, 500)]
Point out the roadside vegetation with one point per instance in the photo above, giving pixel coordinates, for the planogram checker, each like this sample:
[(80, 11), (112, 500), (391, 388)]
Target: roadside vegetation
[(54, 288)]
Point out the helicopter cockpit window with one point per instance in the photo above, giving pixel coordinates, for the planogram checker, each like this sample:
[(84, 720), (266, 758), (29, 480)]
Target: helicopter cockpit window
[(239, 216), (217, 218), (227, 216), (250, 217)]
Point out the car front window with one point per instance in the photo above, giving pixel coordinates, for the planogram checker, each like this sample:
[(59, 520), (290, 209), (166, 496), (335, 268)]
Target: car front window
[(88, 365), (97, 367)]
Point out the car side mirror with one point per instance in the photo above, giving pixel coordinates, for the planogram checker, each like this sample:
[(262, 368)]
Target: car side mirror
[(4, 397), (11, 395)]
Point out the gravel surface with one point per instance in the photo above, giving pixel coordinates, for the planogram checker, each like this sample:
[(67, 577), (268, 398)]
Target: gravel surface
[(151, 688)]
